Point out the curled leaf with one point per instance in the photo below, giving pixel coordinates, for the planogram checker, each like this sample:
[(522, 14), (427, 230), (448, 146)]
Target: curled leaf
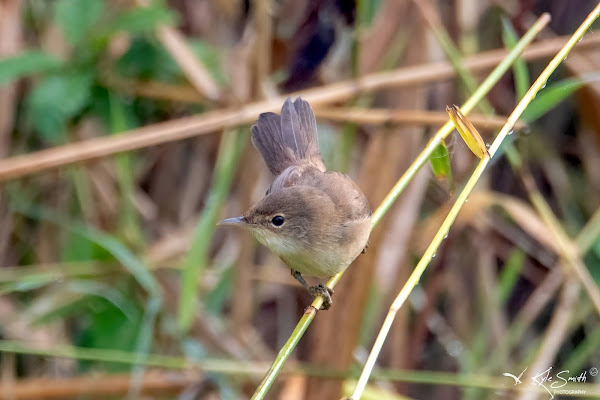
[(467, 131)]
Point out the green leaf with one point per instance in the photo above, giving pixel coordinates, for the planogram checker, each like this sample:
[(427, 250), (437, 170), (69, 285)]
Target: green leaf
[(75, 17), (109, 328), (216, 298), (520, 71), (26, 63), (22, 286), (367, 11), (440, 162), (549, 98), (56, 99), (133, 264), (510, 274), (79, 248), (594, 265), (147, 59), (108, 292), (128, 218), (140, 20)]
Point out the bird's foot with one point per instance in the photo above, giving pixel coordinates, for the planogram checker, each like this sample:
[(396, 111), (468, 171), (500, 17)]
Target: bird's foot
[(325, 292), (317, 290)]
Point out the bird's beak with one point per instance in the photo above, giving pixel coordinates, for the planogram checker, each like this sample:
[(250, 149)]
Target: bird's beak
[(238, 221)]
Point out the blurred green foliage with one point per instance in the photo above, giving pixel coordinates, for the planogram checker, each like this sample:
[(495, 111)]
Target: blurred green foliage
[(108, 311), (26, 63)]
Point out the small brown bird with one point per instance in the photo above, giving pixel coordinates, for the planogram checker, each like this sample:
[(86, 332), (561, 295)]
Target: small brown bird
[(316, 221)]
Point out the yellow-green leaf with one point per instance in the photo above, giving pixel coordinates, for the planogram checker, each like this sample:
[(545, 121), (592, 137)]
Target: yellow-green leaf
[(467, 131)]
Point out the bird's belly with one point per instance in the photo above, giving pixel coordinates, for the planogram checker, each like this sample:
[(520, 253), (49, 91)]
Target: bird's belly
[(326, 261), (314, 264)]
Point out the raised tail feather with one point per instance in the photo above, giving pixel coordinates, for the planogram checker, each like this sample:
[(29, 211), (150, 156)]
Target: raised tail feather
[(288, 139)]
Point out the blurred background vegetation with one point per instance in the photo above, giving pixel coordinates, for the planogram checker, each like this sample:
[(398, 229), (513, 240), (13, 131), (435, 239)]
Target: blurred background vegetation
[(115, 282)]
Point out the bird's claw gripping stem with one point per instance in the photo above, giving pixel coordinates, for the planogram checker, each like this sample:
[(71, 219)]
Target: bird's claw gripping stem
[(325, 292), (317, 290)]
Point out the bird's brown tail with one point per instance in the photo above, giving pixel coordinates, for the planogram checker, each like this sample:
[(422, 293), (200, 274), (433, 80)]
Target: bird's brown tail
[(288, 139)]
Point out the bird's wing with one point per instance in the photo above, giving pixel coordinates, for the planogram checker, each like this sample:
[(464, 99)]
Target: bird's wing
[(346, 195), (340, 188)]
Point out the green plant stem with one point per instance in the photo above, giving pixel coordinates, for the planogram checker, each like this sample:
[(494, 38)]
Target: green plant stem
[(123, 357), (584, 351), (255, 369), (568, 250), (414, 278), (520, 70), (589, 234), (468, 80), (145, 338), (462, 198), (521, 76), (572, 260), (466, 108), (391, 197), (453, 54), (242, 368), (197, 258), (542, 207), (128, 218)]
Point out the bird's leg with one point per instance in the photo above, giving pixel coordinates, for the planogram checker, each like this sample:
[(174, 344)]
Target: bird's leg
[(317, 290)]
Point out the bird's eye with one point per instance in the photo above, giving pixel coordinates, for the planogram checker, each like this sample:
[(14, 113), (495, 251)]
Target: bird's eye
[(278, 220)]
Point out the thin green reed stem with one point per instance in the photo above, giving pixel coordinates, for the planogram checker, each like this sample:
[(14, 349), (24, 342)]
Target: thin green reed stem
[(452, 53), (414, 278), (252, 369), (462, 198), (469, 82), (197, 258), (391, 197), (132, 358), (467, 107)]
